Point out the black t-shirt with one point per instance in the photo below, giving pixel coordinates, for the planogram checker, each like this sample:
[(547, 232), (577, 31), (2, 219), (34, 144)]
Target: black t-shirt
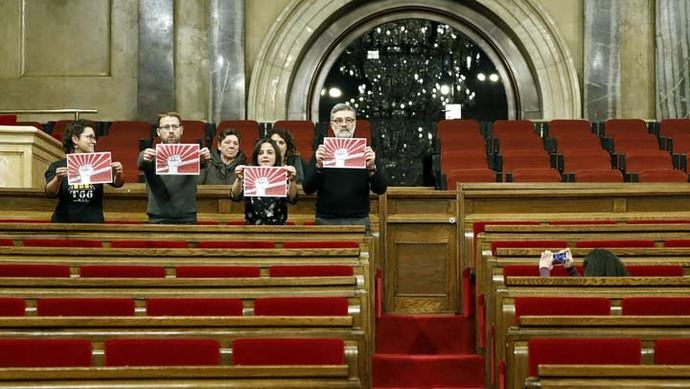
[(79, 203)]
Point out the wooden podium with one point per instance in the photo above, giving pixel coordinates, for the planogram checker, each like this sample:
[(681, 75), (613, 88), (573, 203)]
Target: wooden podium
[(25, 153)]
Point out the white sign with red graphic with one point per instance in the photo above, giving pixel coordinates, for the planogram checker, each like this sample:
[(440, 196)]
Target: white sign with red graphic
[(345, 153), (177, 159), (265, 181), (89, 168)]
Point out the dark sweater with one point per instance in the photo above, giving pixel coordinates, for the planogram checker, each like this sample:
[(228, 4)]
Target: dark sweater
[(343, 193)]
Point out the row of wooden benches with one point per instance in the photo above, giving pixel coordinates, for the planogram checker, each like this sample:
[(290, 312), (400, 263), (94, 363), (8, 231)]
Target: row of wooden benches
[(323, 287), (499, 296)]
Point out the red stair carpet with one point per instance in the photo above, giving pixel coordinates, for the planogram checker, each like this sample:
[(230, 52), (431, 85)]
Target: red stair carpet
[(434, 351)]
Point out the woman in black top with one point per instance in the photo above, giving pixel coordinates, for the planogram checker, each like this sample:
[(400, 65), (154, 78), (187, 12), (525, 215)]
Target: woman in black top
[(265, 210), (286, 144), (78, 203)]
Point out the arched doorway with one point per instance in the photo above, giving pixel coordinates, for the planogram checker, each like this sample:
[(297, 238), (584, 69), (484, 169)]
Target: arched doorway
[(300, 49)]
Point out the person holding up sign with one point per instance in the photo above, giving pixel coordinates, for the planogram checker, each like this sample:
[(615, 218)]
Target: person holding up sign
[(267, 186), (343, 190), (82, 201), (171, 194)]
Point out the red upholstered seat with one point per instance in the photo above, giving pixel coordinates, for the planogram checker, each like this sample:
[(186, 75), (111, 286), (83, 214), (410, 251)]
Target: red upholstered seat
[(579, 222), (562, 306), (162, 352), (546, 244), (243, 244), (454, 176), (194, 307), (310, 271), (303, 131), (673, 127), (8, 120), (677, 242), (307, 351), (590, 351), (194, 132), (614, 243), (666, 175), (536, 175), (598, 175), (62, 243), (624, 127), (85, 307), (149, 244), (301, 306), (512, 128), (10, 306), (655, 270), (670, 306), (45, 353), (121, 271), (34, 270), (569, 126), (216, 271), (321, 245), (672, 352)]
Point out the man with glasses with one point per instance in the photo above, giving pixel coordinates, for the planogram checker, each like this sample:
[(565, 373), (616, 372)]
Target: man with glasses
[(343, 194), (171, 198)]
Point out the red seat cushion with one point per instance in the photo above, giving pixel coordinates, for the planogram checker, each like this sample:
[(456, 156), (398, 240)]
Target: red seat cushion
[(314, 351), (194, 307), (34, 270), (655, 270), (664, 306), (85, 307), (301, 306), (216, 271), (677, 243), (153, 244), (121, 271), (162, 352), (566, 306), (62, 243), (246, 244), (672, 352), (45, 353), (10, 306), (321, 245), (597, 351), (310, 271)]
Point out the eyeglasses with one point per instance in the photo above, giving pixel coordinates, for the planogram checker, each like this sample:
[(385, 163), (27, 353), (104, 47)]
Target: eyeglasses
[(341, 121), (91, 137), (170, 127)]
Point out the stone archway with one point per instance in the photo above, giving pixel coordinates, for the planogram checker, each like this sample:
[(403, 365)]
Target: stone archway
[(307, 35)]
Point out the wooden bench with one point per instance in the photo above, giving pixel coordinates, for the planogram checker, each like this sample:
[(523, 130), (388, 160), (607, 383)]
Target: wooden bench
[(647, 329), (542, 203), (129, 204), (610, 376), (233, 376), (494, 278), (354, 327), (612, 288)]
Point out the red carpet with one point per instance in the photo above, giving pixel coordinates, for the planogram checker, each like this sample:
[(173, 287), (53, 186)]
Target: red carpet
[(426, 352)]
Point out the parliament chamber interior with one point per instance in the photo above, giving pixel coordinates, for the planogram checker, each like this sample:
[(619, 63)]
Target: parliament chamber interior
[(503, 130)]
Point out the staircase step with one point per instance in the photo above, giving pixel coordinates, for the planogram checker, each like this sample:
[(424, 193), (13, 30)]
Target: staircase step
[(437, 371), (427, 334)]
